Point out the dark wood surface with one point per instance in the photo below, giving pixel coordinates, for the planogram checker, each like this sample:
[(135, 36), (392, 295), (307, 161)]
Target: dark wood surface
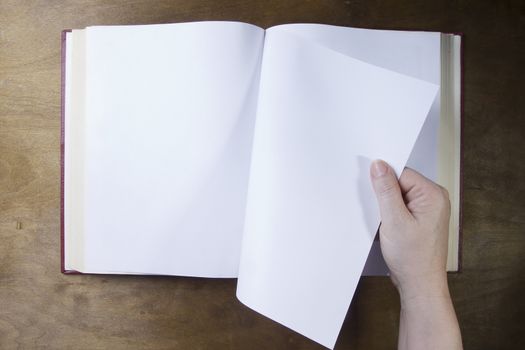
[(41, 308)]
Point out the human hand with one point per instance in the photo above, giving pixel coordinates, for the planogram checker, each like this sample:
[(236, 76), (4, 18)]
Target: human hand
[(415, 215)]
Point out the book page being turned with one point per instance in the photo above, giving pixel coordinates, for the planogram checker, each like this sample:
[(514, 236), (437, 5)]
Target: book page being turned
[(311, 213)]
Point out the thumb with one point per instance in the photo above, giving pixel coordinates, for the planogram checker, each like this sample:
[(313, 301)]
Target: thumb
[(388, 193)]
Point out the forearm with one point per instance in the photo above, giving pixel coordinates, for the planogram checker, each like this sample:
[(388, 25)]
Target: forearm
[(428, 321)]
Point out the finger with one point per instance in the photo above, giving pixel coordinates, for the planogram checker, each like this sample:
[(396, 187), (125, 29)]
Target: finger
[(388, 192), (421, 193), (410, 178)]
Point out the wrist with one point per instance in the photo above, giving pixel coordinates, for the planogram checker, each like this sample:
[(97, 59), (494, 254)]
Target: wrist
[(424, 287)]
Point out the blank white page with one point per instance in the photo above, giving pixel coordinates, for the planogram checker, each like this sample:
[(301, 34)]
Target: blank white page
[(169, 123), (311, 213)]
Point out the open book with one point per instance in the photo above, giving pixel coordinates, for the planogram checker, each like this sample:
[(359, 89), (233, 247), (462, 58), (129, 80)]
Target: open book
[(219, 149)]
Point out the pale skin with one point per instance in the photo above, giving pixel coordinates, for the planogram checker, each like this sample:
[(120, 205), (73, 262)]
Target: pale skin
[(414, 235)]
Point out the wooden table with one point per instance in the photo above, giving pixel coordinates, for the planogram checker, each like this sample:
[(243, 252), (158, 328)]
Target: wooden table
[(41, 308)]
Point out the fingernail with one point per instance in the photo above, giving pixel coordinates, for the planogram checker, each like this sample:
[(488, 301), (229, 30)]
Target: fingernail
[(379, 168)]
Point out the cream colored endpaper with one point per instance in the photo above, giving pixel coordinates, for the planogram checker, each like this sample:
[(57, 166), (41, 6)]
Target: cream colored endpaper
[(74, 151), (450, 138)]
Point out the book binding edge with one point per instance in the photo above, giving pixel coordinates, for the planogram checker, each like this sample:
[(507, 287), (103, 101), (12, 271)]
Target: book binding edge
[(461, 145), (62, 149)]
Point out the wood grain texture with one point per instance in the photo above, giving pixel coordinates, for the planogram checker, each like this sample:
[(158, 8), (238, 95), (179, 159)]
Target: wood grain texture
[(43, 309)]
